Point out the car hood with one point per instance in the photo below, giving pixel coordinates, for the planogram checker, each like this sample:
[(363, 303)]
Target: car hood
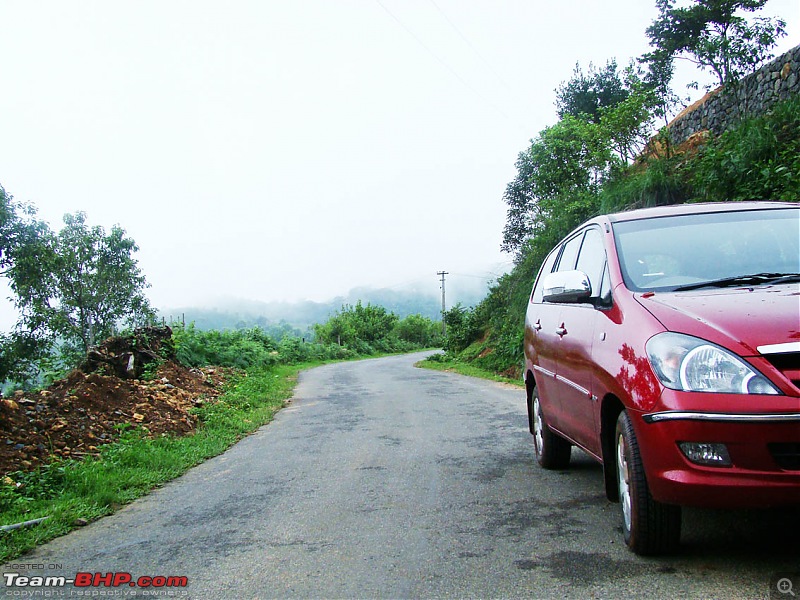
[(741, 318)]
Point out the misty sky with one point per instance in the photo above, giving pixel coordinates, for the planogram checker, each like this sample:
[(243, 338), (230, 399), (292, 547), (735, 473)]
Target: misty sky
[(293, 150)]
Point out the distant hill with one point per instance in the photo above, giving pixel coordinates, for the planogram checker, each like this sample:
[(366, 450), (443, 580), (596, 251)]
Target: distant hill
[(298, 317)]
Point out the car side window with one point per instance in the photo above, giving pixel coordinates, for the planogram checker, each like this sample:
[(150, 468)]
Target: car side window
[(547, 268), (571, 247), (592, 259)]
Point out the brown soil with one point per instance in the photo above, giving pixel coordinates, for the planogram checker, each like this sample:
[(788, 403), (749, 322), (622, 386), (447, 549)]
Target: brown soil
[(76, 415)]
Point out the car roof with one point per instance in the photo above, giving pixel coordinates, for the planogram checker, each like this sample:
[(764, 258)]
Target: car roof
[(696, 208)]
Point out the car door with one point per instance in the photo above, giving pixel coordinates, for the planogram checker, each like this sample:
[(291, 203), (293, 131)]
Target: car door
[(540, 340), (575, 331)]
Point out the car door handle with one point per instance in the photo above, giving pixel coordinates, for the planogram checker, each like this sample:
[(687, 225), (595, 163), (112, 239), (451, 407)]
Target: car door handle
[(561, 331), (538, 325)]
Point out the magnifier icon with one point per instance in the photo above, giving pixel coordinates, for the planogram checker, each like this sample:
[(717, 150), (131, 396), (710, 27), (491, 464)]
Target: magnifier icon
[(785, 586)]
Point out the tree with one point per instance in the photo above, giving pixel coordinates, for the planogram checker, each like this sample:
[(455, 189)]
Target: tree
[(96, 283), (584, 95), (462, 328), (621, 101), (558, 179), (24, 247), (712, 35), (419, 330), (73, 287), (628, 125), (606, 121), (23, 251), (359, 323)]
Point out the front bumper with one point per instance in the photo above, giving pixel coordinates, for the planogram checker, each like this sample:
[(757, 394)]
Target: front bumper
[(764, 449)]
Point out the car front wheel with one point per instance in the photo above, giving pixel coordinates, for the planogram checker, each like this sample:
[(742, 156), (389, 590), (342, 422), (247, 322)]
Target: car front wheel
[(650, 527), (552, 451)]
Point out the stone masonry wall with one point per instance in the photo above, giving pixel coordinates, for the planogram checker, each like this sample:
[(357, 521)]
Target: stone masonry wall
[(754, 94)]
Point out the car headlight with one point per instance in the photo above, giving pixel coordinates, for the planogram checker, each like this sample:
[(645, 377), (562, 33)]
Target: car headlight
[(687, 363)]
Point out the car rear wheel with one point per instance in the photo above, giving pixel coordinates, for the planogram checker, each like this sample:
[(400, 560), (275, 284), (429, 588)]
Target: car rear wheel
[(552, 451), (649, 527)]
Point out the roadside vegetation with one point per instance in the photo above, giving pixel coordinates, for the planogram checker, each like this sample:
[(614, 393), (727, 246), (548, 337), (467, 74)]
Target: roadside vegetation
[(74, 492), (71, 493), (463, 365), (607, 154)]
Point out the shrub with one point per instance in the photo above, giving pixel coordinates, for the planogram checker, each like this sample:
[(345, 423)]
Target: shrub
[(758, 159)]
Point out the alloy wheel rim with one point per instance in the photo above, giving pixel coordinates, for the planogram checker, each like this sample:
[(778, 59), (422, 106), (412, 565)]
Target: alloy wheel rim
[(623, 476), (538, 427)]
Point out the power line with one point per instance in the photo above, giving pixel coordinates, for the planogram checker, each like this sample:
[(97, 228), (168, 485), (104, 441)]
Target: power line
[(471, 46), (442, 62)]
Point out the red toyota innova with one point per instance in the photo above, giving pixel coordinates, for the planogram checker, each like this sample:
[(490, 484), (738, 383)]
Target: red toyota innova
[(665, 343)]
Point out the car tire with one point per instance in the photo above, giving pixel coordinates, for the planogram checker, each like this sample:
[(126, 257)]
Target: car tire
[(649, 527), (552, 451)]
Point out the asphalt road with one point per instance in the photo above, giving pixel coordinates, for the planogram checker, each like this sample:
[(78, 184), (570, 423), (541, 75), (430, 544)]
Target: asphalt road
[(385, 481)]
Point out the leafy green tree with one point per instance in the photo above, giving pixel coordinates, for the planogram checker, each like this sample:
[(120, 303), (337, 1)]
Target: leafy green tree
[(628, 125), (95, 282), (713, 35), (462, 328), (76, 285), (419, 330), (606, 120), (558, 179), (23, 250), (585, 94), (367, 324)]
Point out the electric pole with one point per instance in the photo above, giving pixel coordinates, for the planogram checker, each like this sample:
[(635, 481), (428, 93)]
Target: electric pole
[(444, 308)]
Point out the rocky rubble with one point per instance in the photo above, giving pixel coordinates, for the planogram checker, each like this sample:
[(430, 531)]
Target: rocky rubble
[(124, 381)]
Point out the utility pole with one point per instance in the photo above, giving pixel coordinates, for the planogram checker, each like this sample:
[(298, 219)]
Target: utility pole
[(444, 327)]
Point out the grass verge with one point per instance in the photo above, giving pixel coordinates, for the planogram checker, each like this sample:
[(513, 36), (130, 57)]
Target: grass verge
[(440, 362), (73, 493)]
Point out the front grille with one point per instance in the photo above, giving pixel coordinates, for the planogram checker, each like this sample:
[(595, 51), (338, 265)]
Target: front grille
[(787, 455), (787, 363)]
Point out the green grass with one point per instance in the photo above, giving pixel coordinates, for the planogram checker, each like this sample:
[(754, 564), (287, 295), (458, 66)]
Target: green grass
[(454, 366), (74, 492)]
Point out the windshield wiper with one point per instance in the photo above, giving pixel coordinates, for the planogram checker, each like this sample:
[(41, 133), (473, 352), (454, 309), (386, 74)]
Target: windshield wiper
[(757, 279)]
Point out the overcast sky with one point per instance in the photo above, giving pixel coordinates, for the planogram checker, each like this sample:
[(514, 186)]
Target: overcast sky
[(295, 149)]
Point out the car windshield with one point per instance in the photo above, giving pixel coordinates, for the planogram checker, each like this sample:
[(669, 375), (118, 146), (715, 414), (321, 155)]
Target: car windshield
[(710, 250)]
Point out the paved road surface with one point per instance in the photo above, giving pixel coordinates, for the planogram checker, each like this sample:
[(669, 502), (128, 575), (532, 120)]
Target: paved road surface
[(386, 481)]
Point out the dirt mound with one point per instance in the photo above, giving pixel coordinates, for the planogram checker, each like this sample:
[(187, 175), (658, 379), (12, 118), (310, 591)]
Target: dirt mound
[(76, 415), (128, 356)]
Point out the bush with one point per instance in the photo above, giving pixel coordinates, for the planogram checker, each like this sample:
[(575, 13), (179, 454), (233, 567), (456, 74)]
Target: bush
[(462, 328), (238, 348), (655, 182), (420, 331), (757, 160)]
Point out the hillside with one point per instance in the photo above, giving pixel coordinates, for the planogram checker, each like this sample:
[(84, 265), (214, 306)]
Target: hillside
[(758, 158), (295, 318)]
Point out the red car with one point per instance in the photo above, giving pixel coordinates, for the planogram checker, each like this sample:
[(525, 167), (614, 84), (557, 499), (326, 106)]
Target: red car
[(665, 343)]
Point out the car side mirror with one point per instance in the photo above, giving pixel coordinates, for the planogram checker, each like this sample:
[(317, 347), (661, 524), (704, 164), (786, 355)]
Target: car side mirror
[(567, 286)]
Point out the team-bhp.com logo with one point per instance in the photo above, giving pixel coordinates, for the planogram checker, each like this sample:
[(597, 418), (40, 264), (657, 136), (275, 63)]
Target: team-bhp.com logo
[(85, 580)]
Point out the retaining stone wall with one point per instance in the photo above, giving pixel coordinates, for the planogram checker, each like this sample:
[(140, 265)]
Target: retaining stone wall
[(755, 94)]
